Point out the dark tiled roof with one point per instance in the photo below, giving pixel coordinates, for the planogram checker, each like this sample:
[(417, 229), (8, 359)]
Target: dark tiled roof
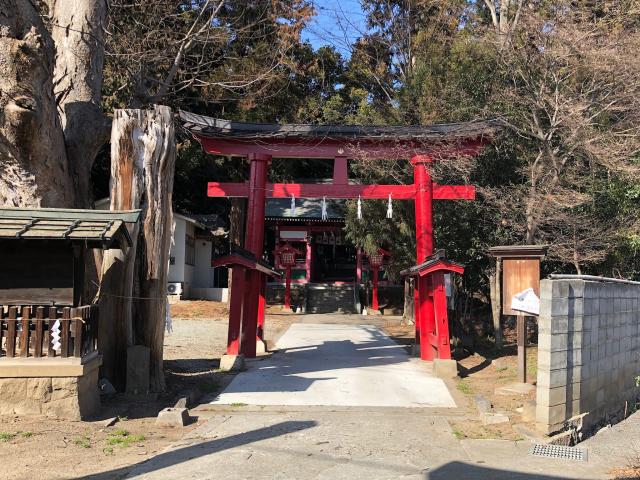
[(220, 128)]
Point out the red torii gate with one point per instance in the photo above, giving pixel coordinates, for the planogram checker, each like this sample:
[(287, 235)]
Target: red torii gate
[(260, 142)]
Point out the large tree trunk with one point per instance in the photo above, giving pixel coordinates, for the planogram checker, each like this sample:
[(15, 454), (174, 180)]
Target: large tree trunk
[(34, 170), (142, 168), (77, 28)]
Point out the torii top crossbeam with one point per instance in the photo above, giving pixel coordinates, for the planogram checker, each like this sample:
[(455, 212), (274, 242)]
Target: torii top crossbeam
[(261, 142)]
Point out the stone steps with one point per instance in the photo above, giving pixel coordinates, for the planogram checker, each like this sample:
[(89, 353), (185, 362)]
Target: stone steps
[(327, 298)]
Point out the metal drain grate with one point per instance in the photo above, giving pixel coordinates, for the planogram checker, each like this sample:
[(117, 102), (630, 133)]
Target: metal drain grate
[(559, 451)]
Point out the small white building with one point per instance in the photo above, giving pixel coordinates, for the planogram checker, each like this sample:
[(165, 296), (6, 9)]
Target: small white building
[(191, 275)]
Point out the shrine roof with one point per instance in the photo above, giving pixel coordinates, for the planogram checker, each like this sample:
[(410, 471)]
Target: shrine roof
[(306, 209), (94, 228), (210, 127)]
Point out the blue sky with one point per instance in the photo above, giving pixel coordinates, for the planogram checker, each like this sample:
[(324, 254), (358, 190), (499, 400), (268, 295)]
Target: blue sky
[(337, 23)]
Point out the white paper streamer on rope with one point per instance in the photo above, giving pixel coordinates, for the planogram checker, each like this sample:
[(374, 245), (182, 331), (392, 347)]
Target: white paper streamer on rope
[(359, 208), (389, 208), (293, 206), (324, 208), (55, 335)]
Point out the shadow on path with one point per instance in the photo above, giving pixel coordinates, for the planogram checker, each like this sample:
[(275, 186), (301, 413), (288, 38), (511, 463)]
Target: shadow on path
[(184, 454), (461, 470)]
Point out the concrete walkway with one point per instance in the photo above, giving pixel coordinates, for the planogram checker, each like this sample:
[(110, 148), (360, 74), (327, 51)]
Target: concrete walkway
[(320, 409), (337, 365)]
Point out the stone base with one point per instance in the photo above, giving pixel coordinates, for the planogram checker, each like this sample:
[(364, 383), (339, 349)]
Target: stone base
[(173, 417), (231, 363), (261, 347), (73, 397), (445, 368), (371, 311), (138, 358)]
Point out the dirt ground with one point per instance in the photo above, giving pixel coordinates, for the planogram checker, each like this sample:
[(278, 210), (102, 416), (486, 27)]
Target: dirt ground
[(481, 373), (48, 448)]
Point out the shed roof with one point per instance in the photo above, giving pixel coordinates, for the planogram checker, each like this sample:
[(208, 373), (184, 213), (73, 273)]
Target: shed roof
[(220, 128), (95, 228)]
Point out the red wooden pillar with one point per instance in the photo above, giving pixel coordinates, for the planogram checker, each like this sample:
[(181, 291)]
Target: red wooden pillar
[(442, 319), (424, 249), (308, 259), (374, 302), (254, 242), (287, 289), (238, 280), (262, 305)]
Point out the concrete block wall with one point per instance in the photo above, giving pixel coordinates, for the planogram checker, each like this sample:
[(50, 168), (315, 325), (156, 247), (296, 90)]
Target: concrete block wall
[(588, 352)]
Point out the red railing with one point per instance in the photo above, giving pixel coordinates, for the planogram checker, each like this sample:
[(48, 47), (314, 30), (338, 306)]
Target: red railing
[(30, 331)]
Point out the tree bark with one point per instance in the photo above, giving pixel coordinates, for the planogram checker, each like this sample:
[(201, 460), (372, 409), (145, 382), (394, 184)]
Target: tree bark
[(142, 170), (77, 28), (34, 169)]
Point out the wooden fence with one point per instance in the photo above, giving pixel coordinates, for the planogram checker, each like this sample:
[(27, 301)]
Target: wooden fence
[(28, 331)]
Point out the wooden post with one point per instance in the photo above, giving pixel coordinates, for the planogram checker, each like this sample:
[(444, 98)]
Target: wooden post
[(11, 332), (522, 348), (496, 303), (133, 291), (24, 334)]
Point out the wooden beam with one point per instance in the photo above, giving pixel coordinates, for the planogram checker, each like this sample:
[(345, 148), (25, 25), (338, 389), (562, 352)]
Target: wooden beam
[(302, 190)]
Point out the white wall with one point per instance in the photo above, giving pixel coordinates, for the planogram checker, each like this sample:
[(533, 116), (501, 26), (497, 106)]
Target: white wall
[(176, 271), (203, 276)]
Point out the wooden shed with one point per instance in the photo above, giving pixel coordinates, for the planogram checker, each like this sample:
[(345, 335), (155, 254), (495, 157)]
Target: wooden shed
[(48, 331)]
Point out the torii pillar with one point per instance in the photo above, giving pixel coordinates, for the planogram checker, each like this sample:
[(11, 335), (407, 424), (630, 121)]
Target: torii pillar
[(254, 301), (423, 302)]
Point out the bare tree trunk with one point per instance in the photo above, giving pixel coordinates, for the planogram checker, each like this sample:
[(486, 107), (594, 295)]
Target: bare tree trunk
[(142, 171), (496, 303), (33, 164)]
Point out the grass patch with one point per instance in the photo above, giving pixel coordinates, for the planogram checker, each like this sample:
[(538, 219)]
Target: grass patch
[(123, 438), (6, 436), (464, 387), (458, 434), (26, 434), (238, 404), (83, 442)]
